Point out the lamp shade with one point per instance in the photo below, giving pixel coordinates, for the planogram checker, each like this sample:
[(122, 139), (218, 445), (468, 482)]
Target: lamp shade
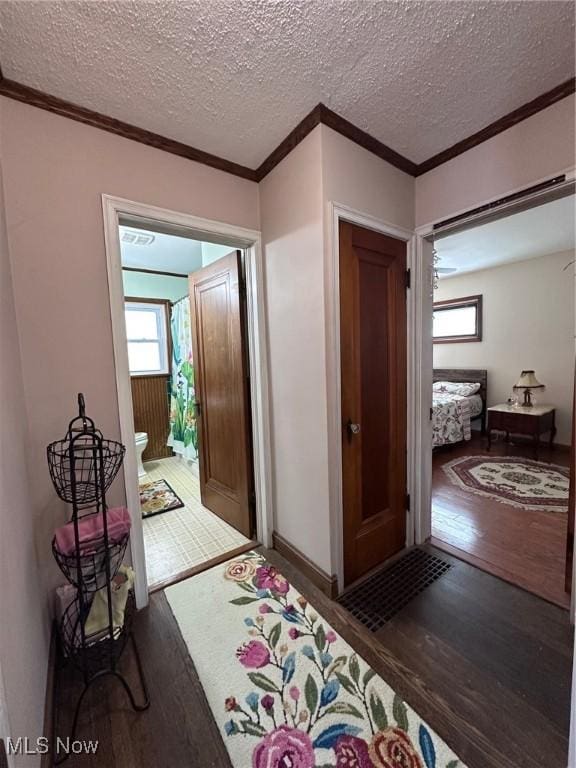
[(528, 380)]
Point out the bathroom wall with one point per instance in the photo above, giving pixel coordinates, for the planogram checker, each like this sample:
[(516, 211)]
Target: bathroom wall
[(148, 286), (24, 615), (212, 252), (150, 393)]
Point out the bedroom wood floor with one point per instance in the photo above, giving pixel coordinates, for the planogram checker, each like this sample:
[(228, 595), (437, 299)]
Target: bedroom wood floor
[(486, 664), (523, 547)]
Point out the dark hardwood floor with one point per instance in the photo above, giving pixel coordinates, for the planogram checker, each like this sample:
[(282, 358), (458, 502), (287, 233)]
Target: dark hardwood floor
[(524, 547), (486, 664)]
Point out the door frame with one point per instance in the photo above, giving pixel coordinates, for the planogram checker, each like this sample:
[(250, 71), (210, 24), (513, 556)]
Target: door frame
[(423, 371), (336, 213), (250, 242)]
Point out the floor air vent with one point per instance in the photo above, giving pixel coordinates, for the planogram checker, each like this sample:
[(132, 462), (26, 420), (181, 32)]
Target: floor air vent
[(377, 599)]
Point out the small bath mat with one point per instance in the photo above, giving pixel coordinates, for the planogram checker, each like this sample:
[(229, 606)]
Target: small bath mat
[(158, 497)]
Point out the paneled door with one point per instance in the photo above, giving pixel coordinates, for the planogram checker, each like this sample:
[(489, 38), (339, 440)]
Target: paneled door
[(222, 393), (373, 390)]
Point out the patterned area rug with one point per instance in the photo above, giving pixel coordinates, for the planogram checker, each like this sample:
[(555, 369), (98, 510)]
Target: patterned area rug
[(158, 497), (532, 485), (284, 688)]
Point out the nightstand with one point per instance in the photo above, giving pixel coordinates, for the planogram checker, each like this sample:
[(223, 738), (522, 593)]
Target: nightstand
[(519, 420)]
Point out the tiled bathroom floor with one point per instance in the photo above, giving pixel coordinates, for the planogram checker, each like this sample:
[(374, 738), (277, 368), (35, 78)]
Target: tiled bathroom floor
[(178, 540)]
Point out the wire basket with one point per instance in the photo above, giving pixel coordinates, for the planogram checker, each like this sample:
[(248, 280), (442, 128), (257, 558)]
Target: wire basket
[(82, 452), (93, 555), (102, 650)]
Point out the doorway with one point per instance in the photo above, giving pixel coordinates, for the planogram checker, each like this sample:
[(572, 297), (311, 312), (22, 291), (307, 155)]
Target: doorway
[(498, 306), (373, 357), (213, 423)]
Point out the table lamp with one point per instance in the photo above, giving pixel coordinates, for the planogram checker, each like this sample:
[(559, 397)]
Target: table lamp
[(528, 382)]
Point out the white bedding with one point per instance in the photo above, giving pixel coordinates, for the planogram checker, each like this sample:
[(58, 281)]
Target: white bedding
[(451, 415)]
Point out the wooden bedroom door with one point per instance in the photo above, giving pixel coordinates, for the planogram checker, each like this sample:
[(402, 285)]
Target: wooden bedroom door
[(222, 398), (373, 390)]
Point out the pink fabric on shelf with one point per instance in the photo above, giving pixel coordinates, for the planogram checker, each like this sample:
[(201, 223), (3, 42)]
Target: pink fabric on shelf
[(91, 528)]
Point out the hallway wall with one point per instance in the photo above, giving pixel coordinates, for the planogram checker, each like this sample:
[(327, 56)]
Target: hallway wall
[(292, 235), (24, 622), (535, 149), (55, 171)]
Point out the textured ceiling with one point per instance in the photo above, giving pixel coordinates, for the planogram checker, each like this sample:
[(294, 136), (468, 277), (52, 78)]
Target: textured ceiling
[(548, 228), (234, 77)]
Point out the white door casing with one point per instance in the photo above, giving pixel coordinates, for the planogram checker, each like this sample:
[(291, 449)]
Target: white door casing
[(237, 237)]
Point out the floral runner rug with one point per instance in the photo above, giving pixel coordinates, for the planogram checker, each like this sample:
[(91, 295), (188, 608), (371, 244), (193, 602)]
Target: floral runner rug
[(533, 485), (157, 497), (285, 690)]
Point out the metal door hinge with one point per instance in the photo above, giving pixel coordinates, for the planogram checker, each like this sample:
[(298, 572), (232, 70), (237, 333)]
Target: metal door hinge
[(408, 278), (408, 502), (431, 413)]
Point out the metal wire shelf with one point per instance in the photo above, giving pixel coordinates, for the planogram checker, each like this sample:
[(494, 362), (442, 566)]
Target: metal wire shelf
[(91, 560), (99, 651), (83, 466), (74, 465)]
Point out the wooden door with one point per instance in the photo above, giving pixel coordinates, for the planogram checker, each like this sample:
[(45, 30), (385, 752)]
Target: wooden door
[(219, 350), (373, 379)]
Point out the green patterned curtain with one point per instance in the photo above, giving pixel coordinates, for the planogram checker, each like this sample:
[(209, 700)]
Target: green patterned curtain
[(183, 437)]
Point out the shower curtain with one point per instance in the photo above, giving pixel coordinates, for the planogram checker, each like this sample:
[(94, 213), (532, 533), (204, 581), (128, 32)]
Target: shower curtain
[(183, 437)]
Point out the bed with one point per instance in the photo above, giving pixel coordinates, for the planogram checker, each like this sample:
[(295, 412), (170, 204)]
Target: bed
[(454, 411)]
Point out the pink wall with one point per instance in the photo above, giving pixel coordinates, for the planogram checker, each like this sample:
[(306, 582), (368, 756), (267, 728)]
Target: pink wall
[(24, 624), (55, 171), (535, 149), (354, 177), (292, 233)]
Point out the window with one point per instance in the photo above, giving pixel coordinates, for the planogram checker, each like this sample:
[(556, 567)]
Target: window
[(457, 320), (147, 338)]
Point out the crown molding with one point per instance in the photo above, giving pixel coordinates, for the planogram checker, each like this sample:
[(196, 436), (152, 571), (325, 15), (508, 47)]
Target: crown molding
[(321, 114), (13, 90), (498, 126)]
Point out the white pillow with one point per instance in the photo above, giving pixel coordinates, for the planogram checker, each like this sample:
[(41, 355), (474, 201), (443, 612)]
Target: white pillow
[(462, 388)]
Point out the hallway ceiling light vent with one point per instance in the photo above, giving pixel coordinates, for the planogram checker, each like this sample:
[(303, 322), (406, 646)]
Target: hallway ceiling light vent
[(137, 238)]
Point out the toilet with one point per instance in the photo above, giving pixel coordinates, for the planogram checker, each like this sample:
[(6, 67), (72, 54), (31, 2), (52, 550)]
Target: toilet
[(141, 443)]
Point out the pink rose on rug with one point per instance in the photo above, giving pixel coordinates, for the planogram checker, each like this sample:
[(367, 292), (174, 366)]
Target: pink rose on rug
[(239, 570), (267, 577), (352, 752), (285, 747), (253, 655)]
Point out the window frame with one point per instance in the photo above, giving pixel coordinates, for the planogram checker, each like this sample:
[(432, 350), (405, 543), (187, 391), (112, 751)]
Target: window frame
[(164, 341), (461, 303)]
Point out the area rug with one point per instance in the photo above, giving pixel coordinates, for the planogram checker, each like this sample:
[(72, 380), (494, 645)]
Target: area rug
[(520, 482), (285, 690), (158, 497)]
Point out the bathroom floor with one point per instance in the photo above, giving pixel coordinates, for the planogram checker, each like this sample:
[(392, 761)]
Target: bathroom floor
[(180, 539)]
